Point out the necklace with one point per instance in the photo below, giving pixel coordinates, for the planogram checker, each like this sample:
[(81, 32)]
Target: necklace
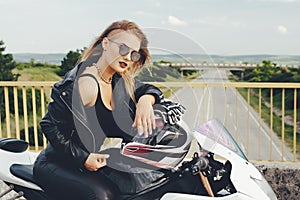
[(100, 74)]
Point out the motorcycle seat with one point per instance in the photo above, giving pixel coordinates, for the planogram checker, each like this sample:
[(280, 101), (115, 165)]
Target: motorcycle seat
[(24, 172)]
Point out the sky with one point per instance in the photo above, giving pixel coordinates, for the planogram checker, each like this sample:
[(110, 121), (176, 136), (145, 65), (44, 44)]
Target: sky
[(213, 27)]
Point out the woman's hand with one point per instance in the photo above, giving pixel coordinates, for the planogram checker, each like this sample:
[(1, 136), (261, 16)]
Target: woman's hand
[(144, 116), (95, 161)]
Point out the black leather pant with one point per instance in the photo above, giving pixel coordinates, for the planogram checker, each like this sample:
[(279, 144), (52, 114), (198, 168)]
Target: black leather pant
[(61, 181)]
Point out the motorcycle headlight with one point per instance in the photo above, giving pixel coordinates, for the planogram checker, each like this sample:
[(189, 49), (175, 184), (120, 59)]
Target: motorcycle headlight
[(265, 186)]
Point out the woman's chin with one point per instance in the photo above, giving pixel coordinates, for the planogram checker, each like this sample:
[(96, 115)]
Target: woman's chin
[(121, 70)]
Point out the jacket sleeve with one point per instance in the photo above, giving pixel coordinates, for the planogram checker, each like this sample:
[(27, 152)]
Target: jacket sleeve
[(142, 89), (54, 125)]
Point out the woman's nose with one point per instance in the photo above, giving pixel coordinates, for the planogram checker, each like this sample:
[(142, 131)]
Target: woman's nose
[(128, 56)]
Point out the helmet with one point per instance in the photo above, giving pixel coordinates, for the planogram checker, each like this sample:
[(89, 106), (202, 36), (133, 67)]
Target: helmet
[(165, 148)]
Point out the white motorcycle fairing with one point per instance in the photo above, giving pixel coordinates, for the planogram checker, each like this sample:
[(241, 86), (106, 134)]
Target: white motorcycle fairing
[(247, 180)]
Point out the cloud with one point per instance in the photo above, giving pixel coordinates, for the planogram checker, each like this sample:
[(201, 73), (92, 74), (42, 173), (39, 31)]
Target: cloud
[(175, 21), (282, 29), (143, 13), (218, 21)]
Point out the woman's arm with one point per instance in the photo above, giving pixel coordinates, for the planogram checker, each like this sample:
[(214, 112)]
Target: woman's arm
[(59, 116), (146, 96), (142, 89)]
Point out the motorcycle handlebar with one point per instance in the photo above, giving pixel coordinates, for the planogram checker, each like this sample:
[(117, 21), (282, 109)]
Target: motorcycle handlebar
[(202, 163)]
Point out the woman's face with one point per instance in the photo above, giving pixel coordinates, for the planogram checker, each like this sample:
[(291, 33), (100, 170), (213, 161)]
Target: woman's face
[(114, 59)]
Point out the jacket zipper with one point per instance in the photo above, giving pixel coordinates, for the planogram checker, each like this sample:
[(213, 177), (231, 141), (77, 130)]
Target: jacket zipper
[(94, 141)]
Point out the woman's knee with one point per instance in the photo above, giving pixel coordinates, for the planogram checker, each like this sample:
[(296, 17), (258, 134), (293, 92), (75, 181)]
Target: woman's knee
[(107, 195), (102, 193)]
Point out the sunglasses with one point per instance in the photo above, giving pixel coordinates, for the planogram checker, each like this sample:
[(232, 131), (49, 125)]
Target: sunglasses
[(124, 50)]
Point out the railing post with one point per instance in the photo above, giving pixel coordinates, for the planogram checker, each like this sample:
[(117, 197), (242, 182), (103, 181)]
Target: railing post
[(295, 125), (7, 113), (35, 131), (16, 106), (43, 112), (248, 122), (236, 113), (26, 132), (282, 121), (271, 123), (260, 126), (0, 125)]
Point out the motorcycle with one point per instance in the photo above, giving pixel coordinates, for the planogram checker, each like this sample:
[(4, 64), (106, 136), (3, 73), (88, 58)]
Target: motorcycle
[(217, 169)]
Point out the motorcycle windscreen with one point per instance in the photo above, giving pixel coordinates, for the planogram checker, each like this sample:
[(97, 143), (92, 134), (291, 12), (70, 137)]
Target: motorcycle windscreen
[(216, 131)]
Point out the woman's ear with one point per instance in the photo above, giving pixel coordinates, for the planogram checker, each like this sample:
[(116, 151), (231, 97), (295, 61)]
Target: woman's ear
[(104, 43)]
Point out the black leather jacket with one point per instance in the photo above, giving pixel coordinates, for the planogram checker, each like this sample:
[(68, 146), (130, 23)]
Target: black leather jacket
[(71, 131)]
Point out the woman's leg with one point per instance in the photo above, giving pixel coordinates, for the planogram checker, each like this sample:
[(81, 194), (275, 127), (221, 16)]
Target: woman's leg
[(63, 183)]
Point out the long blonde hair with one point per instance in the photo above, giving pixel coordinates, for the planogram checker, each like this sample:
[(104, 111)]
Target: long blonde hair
[(96, 50)]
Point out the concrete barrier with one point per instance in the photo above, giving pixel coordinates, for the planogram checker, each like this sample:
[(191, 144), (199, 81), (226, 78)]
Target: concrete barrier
[(284, 178)]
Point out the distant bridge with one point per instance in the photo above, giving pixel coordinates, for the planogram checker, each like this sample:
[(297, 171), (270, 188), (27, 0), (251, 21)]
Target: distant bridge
[(203, 66)]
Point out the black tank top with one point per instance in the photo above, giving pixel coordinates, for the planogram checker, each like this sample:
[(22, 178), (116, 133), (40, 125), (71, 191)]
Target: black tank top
[(106, 118)]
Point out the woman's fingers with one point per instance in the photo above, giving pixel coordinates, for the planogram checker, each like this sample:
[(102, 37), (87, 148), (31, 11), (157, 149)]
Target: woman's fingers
[(96, 161), (101, 164), (101, 160), (152, 119), (150, 125), (138, 124), (151, 122), (145, 127), (144, 116)]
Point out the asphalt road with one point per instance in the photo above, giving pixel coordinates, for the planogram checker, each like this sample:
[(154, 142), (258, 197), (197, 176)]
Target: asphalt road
[(252, 134)]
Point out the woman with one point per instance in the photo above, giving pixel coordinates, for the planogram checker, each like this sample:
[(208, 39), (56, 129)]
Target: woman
[(98, 98)]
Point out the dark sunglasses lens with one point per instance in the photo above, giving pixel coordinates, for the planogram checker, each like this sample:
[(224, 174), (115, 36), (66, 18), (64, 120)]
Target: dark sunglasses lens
[(135, 56), (124, 50)]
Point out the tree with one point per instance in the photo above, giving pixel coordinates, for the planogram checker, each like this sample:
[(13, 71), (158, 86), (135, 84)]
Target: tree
[(69, 61), (264, 72), (6, 65)]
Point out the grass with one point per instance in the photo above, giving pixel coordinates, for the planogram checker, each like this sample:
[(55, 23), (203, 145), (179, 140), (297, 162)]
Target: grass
[(38, 74)]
